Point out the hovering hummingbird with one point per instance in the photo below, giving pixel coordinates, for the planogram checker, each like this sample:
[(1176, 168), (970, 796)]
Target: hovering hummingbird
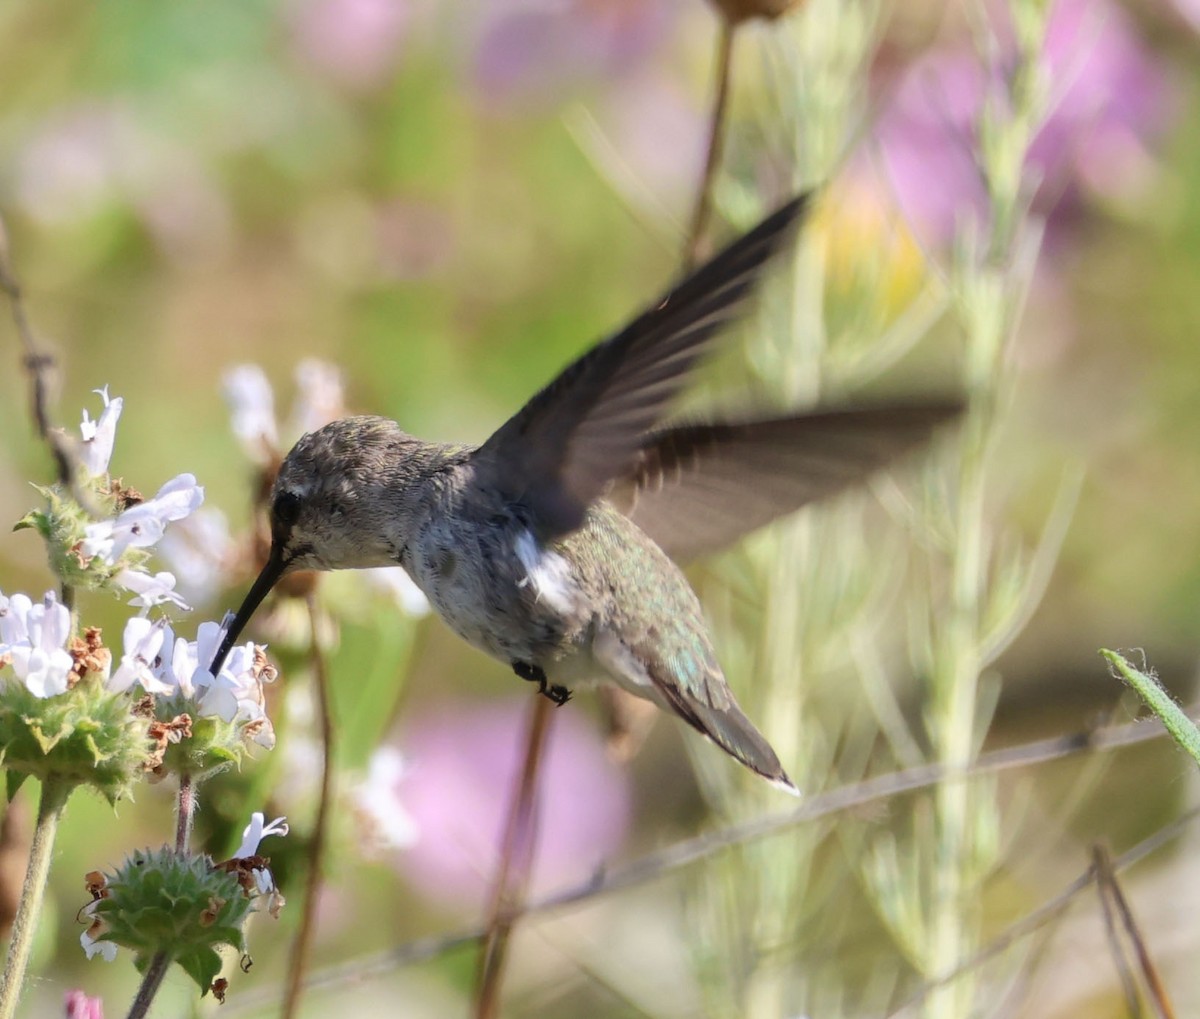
[(551, 546)]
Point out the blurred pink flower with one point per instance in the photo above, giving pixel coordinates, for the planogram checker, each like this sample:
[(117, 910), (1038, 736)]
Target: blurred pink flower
[(83, 158), (413, 239), (79, 1006), (357, 43), (463, 759), (1190, 9), (659, 133), (1110, 102), (536, 50)]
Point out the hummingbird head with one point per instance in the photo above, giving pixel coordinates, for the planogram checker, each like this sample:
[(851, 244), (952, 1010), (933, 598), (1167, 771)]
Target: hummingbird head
[(335, 505)]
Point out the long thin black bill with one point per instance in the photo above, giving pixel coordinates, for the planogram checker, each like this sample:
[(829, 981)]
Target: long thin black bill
[(271, 572)]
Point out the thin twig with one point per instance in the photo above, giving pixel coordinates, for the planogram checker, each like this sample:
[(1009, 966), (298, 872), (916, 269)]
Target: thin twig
[(1035, 919), (302, 946), (516, 860), (1108, 884), (660, 863), (38, 365), (1102, 867), (716, 142)]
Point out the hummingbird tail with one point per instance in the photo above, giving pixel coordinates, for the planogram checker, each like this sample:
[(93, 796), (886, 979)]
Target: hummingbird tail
[(709, 709), (729, 728)]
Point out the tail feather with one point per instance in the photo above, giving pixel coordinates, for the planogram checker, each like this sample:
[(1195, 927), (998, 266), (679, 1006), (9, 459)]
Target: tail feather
[(709, 709), (730, 729)]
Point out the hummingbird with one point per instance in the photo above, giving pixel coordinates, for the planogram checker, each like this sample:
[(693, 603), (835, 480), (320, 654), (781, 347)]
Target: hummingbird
[(553, 546)]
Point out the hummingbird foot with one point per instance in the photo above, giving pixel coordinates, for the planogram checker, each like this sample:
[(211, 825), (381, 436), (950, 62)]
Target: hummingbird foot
[(559, 695)]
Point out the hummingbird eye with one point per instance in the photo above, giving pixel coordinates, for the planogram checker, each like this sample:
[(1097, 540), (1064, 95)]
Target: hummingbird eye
[(286, 509)]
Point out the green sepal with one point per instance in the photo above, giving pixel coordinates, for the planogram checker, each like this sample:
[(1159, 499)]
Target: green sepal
[(13, 780), (213, 746), (158, 902), (63, 526), (86, 736)]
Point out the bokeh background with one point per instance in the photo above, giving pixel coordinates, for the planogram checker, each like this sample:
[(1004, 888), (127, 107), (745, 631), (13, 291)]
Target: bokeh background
[(447, 202)]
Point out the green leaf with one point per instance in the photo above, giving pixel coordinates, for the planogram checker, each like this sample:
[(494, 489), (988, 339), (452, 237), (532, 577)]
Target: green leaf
[(203, 965)]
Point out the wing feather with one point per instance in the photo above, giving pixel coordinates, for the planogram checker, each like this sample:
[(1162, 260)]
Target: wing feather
[(698, 488), (564, 447)]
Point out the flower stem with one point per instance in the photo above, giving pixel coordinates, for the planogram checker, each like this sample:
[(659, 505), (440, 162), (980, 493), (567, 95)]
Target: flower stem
[(508, 893), (716, 141), (151, 981), (185, 814), (54, 797), (304, 936)]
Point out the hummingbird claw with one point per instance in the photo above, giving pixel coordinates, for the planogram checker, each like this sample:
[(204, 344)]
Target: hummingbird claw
[(559, 695)]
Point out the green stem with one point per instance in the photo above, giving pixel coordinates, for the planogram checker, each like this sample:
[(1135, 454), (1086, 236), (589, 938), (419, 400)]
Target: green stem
[(1182, 729), (302, 946), (954, 734), (160, 962), (185, 814), (151, 981), (55, 793)]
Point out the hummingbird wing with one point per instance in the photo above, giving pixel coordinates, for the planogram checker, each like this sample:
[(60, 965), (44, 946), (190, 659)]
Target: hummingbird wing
[(698, 488), (561, 450)]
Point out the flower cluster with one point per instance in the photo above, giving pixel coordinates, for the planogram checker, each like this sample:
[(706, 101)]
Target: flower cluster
[(186, 906), (63, 718), (225, 712), (93, 553), (33, 640)]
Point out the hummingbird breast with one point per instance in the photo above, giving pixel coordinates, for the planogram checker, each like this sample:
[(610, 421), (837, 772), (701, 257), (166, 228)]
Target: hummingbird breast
[(492, 583), (503, 592)]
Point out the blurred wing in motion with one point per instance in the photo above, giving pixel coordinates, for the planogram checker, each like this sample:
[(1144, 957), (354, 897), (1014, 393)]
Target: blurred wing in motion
[(698, 488), (563, 448)]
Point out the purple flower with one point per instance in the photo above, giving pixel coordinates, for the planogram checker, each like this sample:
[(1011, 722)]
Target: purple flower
[(538, 49), (648, 139), (1109, 102), (464, 759), (354, 42)]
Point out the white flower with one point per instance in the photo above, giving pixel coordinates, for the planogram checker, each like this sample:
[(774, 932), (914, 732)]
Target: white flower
[(256, 831), (264, 880), (142, 661), (33, 640), (165, 664), (320, 398), (150, 590), (98, 436), (142, 525), (199, 549), (107, 950), (378, 801), (249, 396)]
